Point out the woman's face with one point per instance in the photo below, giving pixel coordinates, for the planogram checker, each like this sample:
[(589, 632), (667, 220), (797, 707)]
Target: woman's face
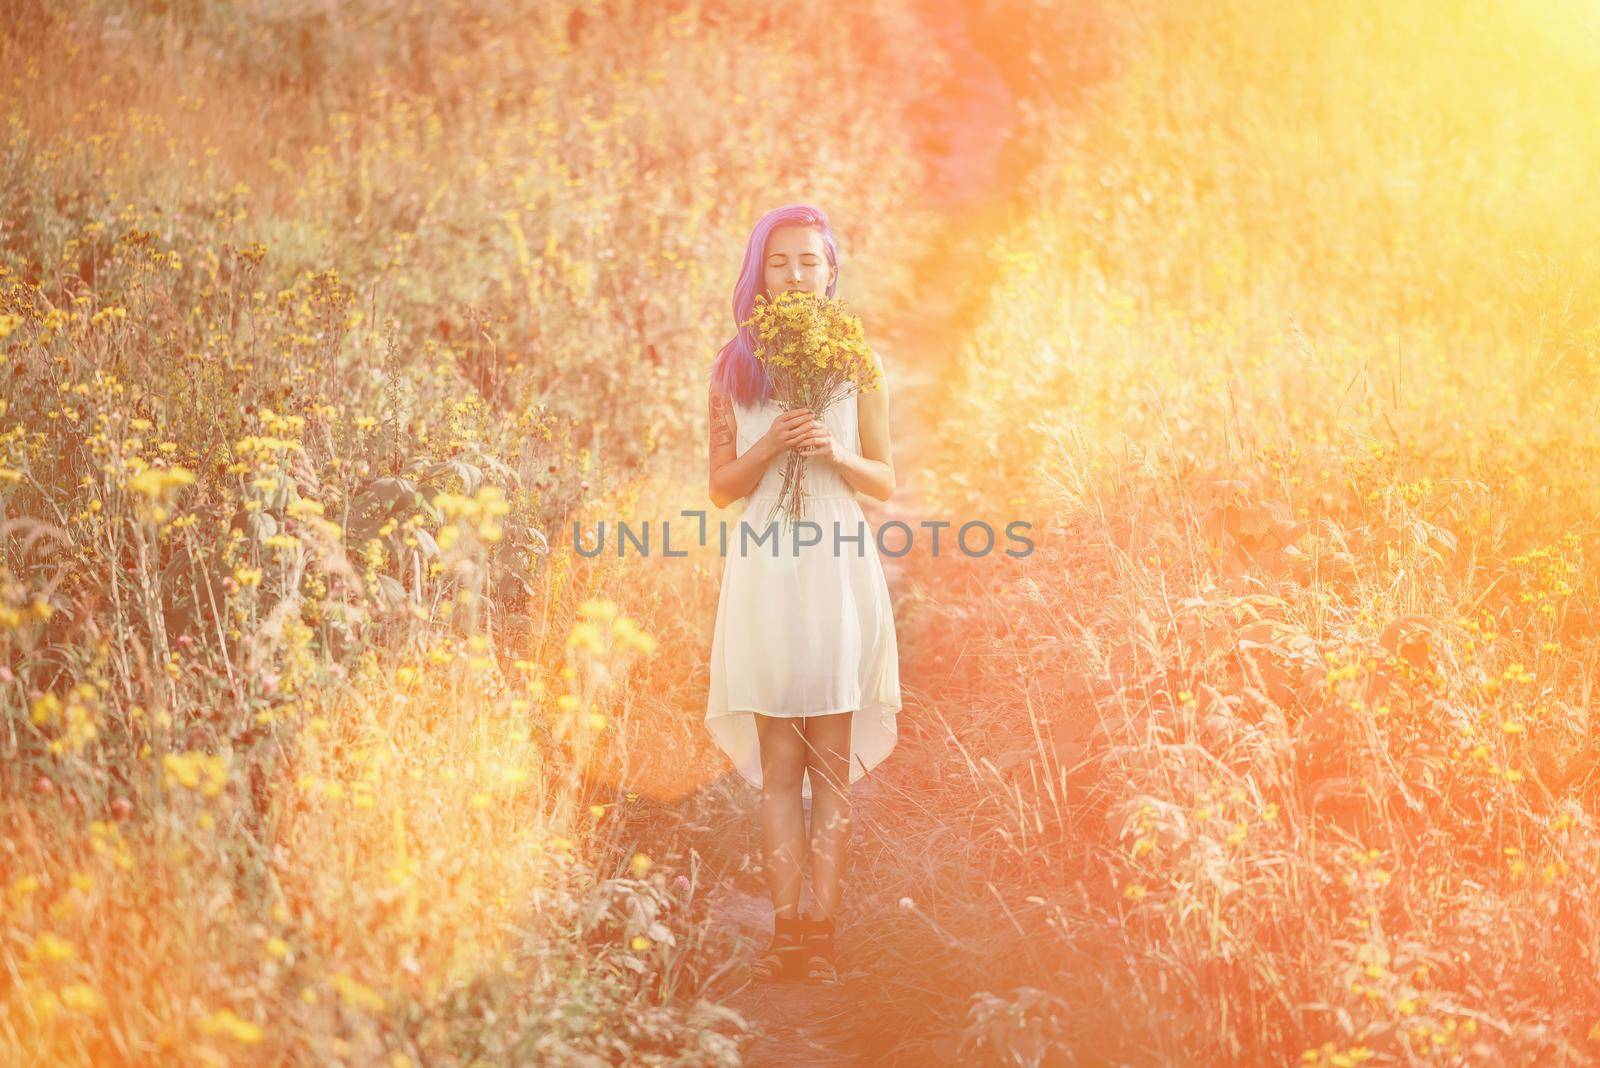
[(797, 260)]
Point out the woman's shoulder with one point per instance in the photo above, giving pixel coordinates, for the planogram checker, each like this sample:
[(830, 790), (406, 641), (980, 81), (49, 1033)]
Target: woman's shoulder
[(722, 398), (877, 360)]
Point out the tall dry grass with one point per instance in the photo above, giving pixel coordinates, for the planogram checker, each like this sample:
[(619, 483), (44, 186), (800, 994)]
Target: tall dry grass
[(319, 324), (1280, 748)]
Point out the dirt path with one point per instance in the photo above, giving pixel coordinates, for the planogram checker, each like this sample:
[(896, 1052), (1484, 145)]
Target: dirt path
[(965, 128)]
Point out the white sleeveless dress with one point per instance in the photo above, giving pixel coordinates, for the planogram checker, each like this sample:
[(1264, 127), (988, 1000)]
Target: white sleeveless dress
[(808, 631)]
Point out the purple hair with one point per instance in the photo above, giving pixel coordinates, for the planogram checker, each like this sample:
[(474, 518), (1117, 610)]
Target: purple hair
[(736, 371)]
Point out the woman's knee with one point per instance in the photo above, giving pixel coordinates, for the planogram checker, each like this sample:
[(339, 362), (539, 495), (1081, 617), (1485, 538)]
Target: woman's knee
[(783, 776), (828, 748), (832, 776), (783, 753)]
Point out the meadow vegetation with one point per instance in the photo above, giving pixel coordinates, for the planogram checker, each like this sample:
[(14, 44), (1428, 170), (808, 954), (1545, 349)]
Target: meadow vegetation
[(1283, 742), (316, 326), (319, 329)]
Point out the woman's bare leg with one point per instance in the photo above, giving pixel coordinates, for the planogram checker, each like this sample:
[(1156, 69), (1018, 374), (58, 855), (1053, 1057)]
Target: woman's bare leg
[(828, 756), (783, 820)]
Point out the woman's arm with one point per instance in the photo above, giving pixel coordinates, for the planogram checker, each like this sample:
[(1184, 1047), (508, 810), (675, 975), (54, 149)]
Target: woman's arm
[(733, 476), (872, 471)]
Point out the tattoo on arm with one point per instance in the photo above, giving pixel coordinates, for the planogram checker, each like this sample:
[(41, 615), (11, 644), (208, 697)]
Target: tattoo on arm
[(721, 420)]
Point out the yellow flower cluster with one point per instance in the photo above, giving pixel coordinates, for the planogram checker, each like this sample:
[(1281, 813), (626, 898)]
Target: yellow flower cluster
[(264, 446), (814, 342), (229, 1023), (75, 717), (196, 771), (481, 512), (815, 353), (588, 633), (356, 993), (105, 838), (105, 315), (604, 639), (157, 483), (154, 487)]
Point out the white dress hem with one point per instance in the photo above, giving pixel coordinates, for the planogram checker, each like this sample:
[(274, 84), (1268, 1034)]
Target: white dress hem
[(735, 731)]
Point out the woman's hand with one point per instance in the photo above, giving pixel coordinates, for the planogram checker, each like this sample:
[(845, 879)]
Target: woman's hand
[(818, 441), (788, 429)]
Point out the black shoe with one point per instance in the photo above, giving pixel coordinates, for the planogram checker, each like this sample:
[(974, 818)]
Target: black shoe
[(817, 948), (782, 954)]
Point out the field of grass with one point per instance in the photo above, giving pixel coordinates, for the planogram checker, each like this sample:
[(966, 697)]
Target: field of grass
[(320, 327), (1283, 744), (318, 324)]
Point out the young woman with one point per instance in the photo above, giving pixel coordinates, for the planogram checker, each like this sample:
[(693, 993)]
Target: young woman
[(805, 679)]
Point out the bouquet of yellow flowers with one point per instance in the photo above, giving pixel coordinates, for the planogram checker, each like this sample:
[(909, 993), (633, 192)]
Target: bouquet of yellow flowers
[(815, 352)]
